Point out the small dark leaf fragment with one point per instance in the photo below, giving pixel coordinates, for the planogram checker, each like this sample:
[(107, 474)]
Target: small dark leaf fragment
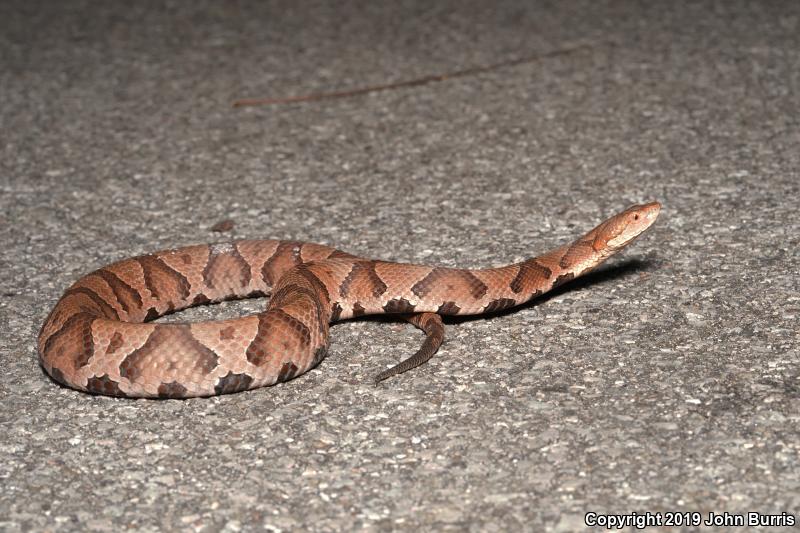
[(223, 226)]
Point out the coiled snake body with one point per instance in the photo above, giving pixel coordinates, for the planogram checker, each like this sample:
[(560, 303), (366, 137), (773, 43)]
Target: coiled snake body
[(98, 339)]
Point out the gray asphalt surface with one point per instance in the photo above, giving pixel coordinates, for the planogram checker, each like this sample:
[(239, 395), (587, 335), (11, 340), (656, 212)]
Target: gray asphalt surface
[(670, 381)]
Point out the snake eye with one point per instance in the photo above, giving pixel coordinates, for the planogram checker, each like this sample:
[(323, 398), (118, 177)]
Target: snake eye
[(636, 216)]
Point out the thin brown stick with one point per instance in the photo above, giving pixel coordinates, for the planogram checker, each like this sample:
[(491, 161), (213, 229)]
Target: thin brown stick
[(410, 83)]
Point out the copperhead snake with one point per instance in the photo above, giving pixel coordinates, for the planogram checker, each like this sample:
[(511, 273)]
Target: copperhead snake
[(98, 337)]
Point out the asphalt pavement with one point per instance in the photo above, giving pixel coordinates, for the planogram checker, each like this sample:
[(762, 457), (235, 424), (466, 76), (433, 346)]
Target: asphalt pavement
[(668, 382)]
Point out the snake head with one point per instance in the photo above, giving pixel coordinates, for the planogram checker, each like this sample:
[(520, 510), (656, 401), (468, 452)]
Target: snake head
[(619, 230)]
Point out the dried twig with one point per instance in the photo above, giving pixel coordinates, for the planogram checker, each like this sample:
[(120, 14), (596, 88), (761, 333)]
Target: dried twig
[(411, 83)]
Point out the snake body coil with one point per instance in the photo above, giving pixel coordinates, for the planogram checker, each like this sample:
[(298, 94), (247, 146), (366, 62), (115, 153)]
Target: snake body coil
[(98, 339)]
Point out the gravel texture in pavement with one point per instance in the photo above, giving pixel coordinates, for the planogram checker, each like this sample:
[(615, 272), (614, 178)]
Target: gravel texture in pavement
[(667, 381)]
